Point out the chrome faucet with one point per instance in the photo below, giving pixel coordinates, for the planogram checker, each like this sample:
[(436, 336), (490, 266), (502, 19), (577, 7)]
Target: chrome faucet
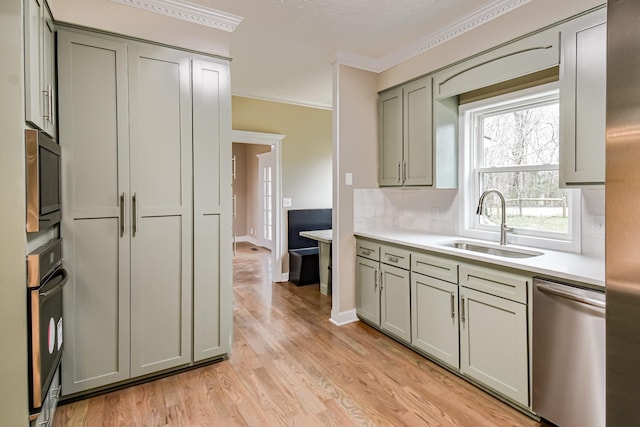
[(503, 225)]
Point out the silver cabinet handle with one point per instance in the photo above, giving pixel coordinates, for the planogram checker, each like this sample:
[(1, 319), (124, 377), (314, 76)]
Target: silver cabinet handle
[(560, 292), (52, 115), (398, 172), (453, 306), (47, 104), (122, 215), (381, 280), (134, 214), (404, 171), (391, 258), (462, 309), (375, 280)]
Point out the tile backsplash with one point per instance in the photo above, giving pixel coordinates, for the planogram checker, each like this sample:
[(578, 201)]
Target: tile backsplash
[(436, 211)]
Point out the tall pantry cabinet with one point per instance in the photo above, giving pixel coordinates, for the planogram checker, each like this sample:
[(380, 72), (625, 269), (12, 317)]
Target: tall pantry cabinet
[(144, 130)]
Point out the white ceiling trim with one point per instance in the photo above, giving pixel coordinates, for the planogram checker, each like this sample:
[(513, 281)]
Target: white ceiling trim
[(283, 100), (467, 23), (188, 12)]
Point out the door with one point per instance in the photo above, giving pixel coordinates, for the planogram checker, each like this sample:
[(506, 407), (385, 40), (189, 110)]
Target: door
[(161, 208), (367, 292), (390, 134), (211, 105), (493, 343), (49, 73), (417, 166), (95, 196), (434, 318), (395, 302), (266, 174)]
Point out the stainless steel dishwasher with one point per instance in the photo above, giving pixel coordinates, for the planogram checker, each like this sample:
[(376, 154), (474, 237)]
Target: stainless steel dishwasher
[(568, 354)]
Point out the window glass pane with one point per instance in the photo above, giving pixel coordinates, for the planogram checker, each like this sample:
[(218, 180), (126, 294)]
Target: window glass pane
[(534, 200), (523, 136)]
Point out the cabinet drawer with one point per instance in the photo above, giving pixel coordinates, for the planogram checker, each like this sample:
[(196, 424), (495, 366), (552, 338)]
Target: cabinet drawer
[(436, 267), (495, 282), (395, 256), (368, 249)]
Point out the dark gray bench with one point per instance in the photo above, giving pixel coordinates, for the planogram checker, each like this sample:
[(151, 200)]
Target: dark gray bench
[(303, 252)]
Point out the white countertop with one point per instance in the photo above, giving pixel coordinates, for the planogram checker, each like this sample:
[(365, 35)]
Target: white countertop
[(324, 236), (552, 264)]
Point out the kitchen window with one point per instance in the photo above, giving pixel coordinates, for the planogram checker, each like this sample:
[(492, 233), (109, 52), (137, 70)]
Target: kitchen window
[(511, 143)]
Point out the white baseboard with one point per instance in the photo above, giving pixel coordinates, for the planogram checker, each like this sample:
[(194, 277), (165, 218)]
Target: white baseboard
[(250, 239), (284, 277), (344, 317)]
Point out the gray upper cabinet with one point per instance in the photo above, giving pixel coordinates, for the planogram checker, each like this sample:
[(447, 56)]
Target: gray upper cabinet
[(390, 155), (146, 134), (528, 55), (40, 88), (406, 149), (583, 100)]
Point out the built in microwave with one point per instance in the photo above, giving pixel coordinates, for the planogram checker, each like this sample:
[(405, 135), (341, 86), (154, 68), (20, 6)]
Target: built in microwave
[(43, 181)]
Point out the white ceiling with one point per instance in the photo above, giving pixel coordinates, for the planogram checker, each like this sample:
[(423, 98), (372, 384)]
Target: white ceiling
[(283, 49)]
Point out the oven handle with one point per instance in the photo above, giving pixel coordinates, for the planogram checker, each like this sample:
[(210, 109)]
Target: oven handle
[(62, 277)]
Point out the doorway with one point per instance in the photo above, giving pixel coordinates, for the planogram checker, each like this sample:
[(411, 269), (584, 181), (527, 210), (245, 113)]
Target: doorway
[(268, 219)]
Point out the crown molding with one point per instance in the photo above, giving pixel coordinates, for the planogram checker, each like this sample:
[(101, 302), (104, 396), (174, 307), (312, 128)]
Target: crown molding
[(188, 12), (467, 23), (299, 103), (250, 137)]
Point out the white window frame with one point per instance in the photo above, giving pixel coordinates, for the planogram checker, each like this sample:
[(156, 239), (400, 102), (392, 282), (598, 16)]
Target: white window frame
[(469, 190)]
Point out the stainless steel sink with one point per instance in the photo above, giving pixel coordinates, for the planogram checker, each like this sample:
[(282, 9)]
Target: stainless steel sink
[(487, 248)]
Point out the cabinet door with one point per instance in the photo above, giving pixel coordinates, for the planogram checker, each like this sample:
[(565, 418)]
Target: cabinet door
[(390, 134), (493, 343), (367, 292), (434, 318), (583, 101), (94, 135), (33, 29), (395, 302), (418, 138), (211, 282), (161, 239), (49, 74)]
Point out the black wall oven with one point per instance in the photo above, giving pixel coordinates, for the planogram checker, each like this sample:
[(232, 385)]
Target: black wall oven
[(43, 180), (45, 280)]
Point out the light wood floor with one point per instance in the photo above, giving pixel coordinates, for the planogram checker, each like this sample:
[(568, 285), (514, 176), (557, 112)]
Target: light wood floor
[(291, 366)]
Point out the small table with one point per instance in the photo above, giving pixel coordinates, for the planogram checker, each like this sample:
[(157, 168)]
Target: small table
[(324, 238)]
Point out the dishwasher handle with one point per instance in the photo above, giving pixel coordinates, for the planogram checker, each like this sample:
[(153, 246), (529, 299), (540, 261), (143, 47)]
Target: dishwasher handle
[(560, 291)]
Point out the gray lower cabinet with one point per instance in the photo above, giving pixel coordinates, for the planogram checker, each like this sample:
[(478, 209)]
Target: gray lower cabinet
[(134, 201), (434, 318), (395, 302), (471, 317), (383, 296), (367, 292), (494, 344)]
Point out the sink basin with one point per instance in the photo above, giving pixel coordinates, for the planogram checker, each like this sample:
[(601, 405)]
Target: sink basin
[(490, 249)]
